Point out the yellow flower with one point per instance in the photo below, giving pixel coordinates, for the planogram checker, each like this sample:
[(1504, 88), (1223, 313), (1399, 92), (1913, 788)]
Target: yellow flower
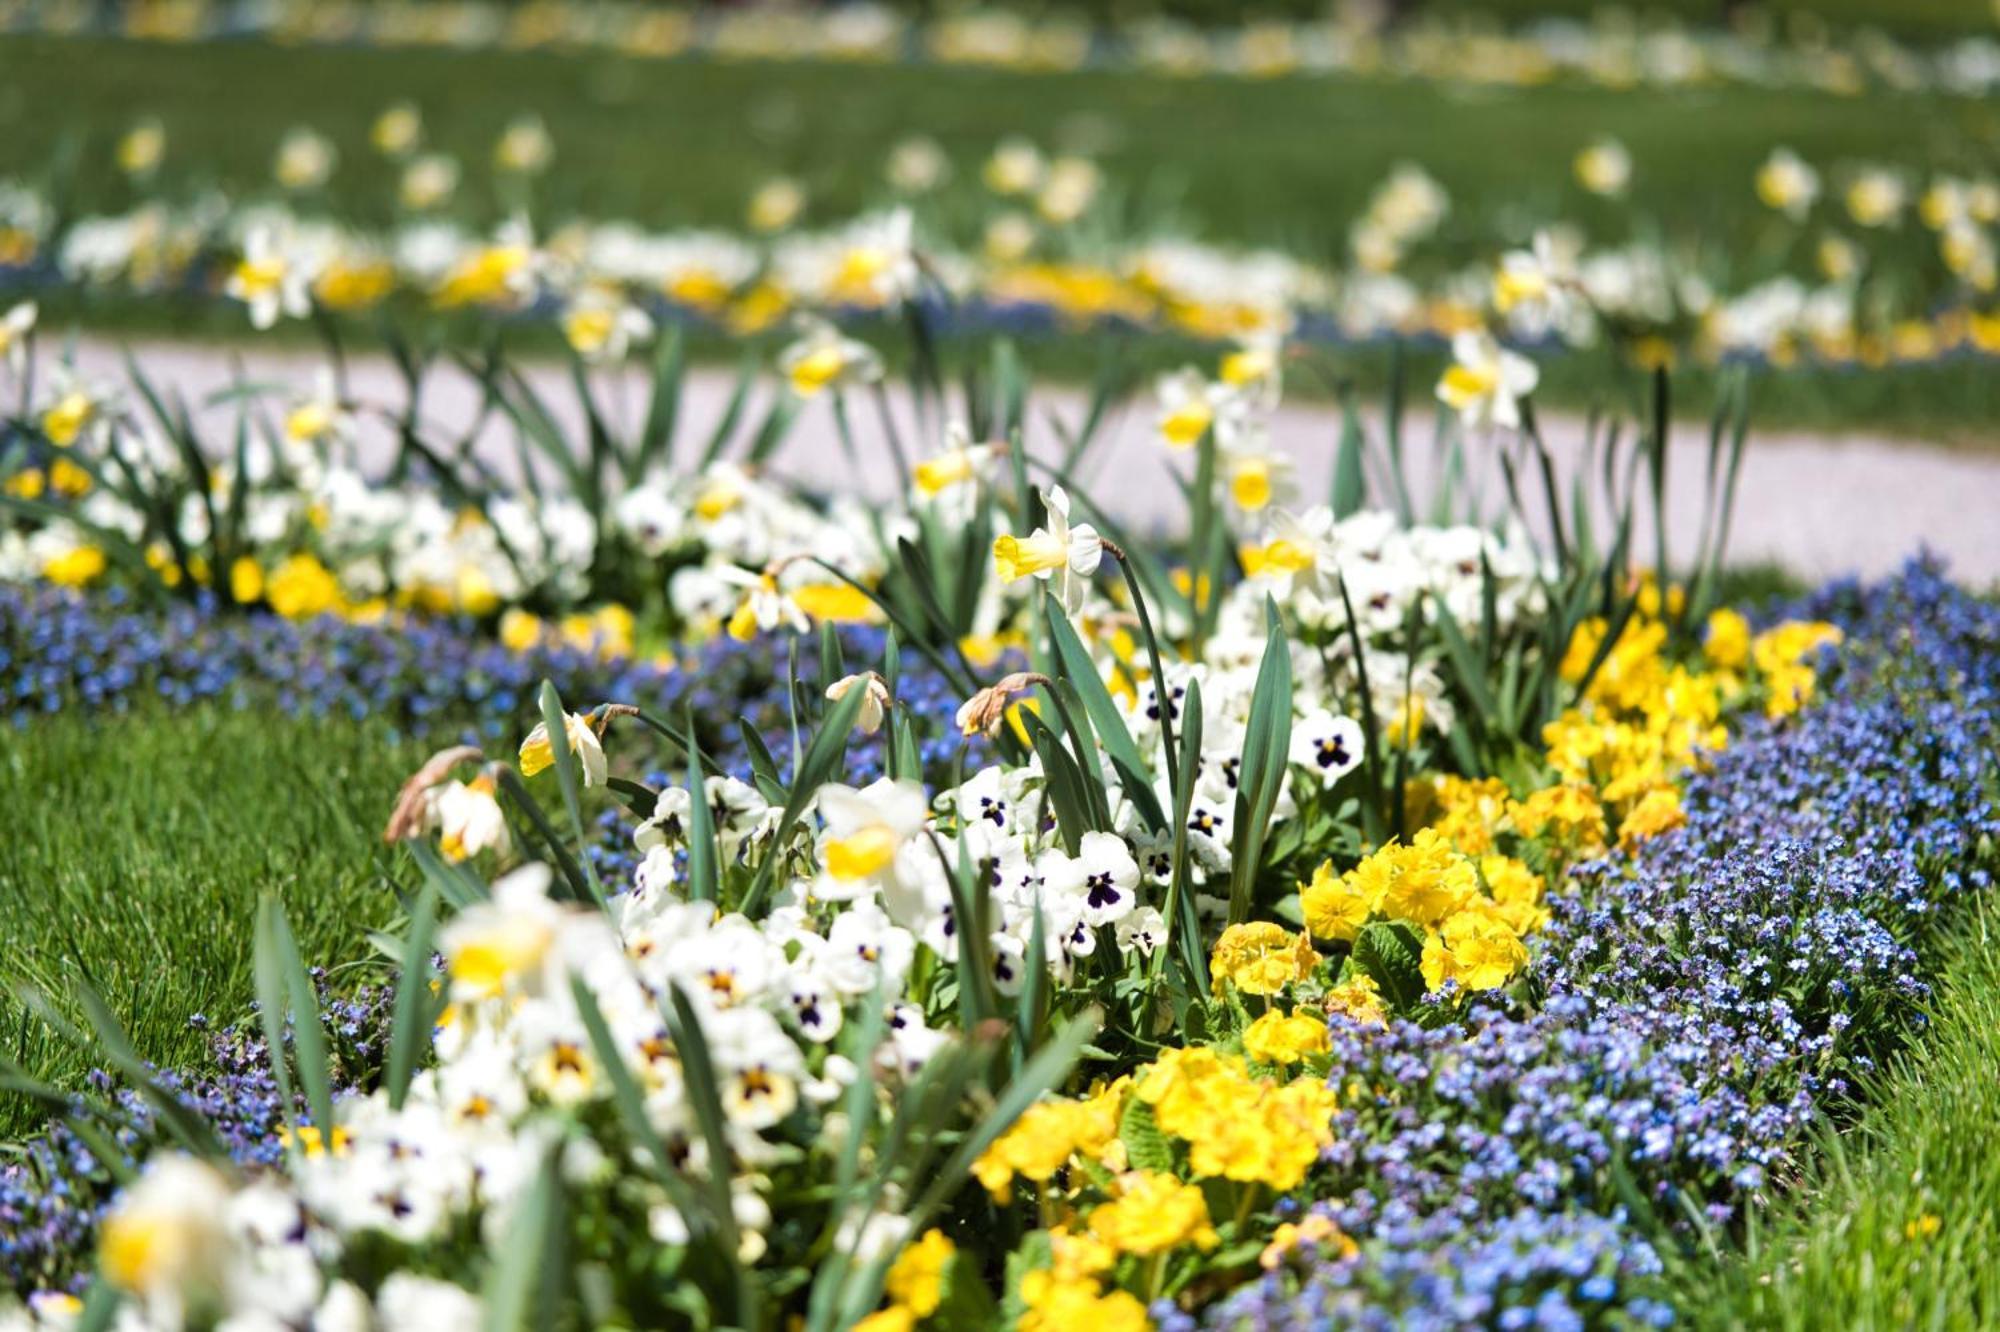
[(246, 580), (1260, 957), (1152, 1213), (1476, 948), (520, 630), (64, 422), (1657, 811), (538, 753), (1045, 1137), (1727, 642), (301, 588), (1055, 1304), (895, 1318), (78, 566), (1276, 1038), (1317, 1231), (841, 603), (1335, 906), (1358, 999), (916, 1278), (1569, 815), (29, 483)]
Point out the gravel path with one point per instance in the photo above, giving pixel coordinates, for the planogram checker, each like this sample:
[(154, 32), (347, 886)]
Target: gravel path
[(1817, 506)]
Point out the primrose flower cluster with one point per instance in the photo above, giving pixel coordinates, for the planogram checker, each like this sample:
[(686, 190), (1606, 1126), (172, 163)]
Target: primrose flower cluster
[(1711, 993), (1614, 52), (1868, 262)]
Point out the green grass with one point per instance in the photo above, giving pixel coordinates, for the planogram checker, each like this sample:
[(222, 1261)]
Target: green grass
[(137, 847), (1898, 1224)]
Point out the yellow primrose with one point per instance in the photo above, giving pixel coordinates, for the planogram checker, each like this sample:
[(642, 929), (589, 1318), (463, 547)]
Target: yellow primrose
[(1152, 1213), (79, 566), (916, 1278), (1281, 1039), (1260, 957), (1474, 947)]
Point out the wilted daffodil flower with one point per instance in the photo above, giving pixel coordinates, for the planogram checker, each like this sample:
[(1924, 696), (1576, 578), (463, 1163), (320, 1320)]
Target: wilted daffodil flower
[(1486, 382), (874, 700), (1070, 555), (538, 753), (823, 359)]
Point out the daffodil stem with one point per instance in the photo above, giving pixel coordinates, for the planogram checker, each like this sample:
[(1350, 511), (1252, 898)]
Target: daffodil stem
[(1161, 698)]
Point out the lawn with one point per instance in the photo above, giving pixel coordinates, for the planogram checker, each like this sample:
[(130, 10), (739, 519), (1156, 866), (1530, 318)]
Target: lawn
[(137, 847)]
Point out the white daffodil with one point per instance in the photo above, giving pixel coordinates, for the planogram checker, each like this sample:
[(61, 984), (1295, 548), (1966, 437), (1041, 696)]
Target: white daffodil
[(1253, 473), (428, 182), (469, 819), (508, 942), (1068, 554), (777, 204), (268, 281), (524, 147), (1876, 197), (1486, 382), (15, 326), (874, 702), (538, 753), (764, 606), (1016, 167), (1541, 277), (1785, 182), (822, 358), (601, 325), (918, 165), (305, 160), (1605, 168), (864, 832), (958, 467), (398, 130), (142, 148), (165, 1240), (1190, 406), (1326, 745), (1254, 368)]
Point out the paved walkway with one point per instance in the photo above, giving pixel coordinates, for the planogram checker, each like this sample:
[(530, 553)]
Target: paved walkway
[(1819, 507)]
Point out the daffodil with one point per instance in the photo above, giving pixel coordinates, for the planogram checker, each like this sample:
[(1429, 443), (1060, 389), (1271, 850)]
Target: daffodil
[(961, 464), (268, 281), (142, 148), (1876, 197), (1189, 406), (1785, 182), (1485, 382), (398, 130), (1605, 168), (524, 147), (164, 1239), (874, 700), (469, 819), (1254, 474), (15, 326), (1016, 167), (776, 204), (600, 324), (864, 831), (506, 943), (538, 753), (823, 359), (305, 160), (428, 182), (1068, 555)]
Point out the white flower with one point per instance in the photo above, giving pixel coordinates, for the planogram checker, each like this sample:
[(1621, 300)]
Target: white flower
[(1486, 382), (866, 951), (268, 281), (601, 325), (507, 942), (1605, 167), (164, 1239), (469, 819), (1110, 878), (411, 1303), (537, 753), (864, 833), (874, 701), (1327, 745), (1142, 931), (1785, 182), (14, 329), (1057, 549), (821, 359), (305, 160)]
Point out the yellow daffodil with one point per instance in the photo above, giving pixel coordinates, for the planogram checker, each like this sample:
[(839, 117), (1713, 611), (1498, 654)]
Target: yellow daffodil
[(1069, 555)]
